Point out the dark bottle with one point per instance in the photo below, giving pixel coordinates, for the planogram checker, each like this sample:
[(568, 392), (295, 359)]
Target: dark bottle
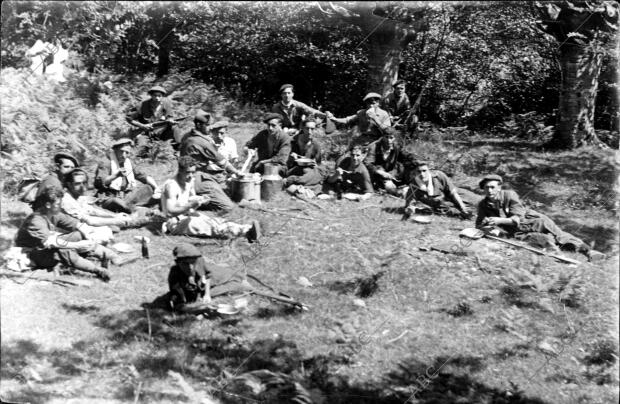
[(145, 248)]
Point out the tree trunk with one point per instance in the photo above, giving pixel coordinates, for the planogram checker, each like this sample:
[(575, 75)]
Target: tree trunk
[(581, 67), (384, 56)]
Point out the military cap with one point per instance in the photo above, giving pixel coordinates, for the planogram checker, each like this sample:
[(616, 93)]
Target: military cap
[(285, 86), (65, 156), (202, 116), (490, 177), (186, 251), (219, 124), (371, 96), (271, 116), (158, 89), (122, 142)]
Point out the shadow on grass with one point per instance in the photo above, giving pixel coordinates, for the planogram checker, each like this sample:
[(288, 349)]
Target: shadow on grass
[(166, 343)]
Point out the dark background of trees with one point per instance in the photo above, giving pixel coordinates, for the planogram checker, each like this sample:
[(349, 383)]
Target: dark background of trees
[(479, 64)]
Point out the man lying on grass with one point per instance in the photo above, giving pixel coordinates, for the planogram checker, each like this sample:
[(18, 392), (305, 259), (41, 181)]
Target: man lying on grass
[(179, 203), (502, 213), (431, 191), (76, 205), (49, 237), (351, 179), (118, 181)]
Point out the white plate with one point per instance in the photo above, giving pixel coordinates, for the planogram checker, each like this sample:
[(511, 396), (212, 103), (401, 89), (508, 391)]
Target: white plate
[(421, 219)]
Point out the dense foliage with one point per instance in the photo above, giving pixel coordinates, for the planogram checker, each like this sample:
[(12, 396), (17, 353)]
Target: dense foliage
[(477, 64)]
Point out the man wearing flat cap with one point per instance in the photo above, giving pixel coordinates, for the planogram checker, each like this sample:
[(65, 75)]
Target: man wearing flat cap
[(117, 180), (397, 102), (154, 117), (371, 121), (272, 145), (64, 163), (502, 213), (189, 280), (212, 165), (431, 191), (225, 144), (293, 112)]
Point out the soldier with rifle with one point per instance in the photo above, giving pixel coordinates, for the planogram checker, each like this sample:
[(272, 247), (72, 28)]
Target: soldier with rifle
[(153, 118)]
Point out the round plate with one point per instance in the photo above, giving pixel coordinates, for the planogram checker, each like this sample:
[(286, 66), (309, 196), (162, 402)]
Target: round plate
[(227, 309), (123, 247), (421, 219)]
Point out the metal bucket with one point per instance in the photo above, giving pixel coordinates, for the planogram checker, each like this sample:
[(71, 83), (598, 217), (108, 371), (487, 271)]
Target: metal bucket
[(272, 182), (248, 187)]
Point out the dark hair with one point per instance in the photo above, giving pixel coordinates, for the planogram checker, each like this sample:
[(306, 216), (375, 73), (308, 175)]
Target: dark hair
[(51, 195), (359, 147), (186, 162), (399, 82), (70, 177)]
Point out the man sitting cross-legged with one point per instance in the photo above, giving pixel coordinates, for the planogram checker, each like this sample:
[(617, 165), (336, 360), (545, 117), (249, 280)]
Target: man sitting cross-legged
[(76, 205), (118, 181), (502, 213), (352, 177), (189, 279), (303, 146), (384, 162), (179, 202), (51, 237), (431, 191), (272, 145)]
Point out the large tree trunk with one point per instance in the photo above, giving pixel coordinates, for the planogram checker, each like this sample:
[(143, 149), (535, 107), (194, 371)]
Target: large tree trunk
[(384, 55), (581, 67)]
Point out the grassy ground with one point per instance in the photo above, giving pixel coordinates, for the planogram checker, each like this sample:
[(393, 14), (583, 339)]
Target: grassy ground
[(387, 323)]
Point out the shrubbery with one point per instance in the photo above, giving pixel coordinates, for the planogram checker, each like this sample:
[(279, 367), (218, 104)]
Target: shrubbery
[(40, 117)]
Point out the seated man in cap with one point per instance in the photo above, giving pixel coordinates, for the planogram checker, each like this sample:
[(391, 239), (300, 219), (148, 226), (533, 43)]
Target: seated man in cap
[(304, 146), (117, 180), (272, 145), (371, 121), (351, 177), (51, 237), (502, 213), (384, 162), (65, 163), (77, 206), (179, 202), (397, 103), (189, 280), (211, 164), (226, 145), (293, 112), (154, 117), (431, 191)]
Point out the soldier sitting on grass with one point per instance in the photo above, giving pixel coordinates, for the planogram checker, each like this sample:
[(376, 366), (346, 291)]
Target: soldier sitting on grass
[(384, 162), (502, 213), (189, 279), (351, 179), (118, 181), (49, 237), (431, 191), (179, 203)]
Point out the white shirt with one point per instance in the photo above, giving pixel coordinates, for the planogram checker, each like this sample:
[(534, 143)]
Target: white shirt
[(172, 190)]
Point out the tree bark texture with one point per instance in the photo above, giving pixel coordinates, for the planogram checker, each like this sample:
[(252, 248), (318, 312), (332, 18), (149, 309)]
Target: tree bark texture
[(580, 70)]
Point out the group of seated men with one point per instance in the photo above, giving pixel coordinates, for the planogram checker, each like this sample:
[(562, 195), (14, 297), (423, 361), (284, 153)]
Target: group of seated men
[(68, 225)]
